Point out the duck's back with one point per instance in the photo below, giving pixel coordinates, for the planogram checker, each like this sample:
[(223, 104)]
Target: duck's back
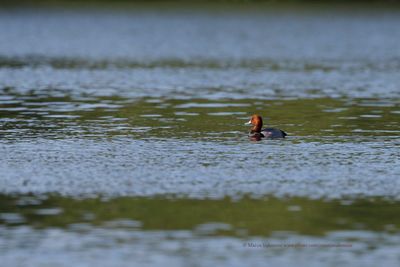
[(273, 133)]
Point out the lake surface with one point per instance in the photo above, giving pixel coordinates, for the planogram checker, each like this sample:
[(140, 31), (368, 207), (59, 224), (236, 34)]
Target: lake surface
[(122, 138)]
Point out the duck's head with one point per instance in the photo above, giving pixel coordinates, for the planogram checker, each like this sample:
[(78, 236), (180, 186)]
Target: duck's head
[(256, 122)]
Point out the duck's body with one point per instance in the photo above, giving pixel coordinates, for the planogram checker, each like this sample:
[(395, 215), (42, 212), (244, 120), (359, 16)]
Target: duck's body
[(257, 133), (270, 133)]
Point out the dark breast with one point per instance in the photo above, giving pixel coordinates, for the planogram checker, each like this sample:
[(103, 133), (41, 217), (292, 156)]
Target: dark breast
[(273, 133)]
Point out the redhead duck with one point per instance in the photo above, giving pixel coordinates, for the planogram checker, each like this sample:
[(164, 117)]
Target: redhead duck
[(257, 133)]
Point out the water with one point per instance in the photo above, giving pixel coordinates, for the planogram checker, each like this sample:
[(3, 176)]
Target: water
[(122, 139)]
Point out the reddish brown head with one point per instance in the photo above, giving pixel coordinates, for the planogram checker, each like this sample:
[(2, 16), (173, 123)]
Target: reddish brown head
[(257, 123)]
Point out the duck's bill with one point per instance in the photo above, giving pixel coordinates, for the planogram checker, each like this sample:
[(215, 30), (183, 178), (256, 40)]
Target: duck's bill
[(248, 123)]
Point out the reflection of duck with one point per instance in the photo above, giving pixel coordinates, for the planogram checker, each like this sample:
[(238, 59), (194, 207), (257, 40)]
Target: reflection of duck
[(257, 133)]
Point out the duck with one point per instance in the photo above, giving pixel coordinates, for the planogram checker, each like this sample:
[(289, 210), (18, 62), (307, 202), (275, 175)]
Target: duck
[(256, 132)]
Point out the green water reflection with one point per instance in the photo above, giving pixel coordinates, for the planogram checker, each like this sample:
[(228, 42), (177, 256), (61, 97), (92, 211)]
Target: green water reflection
[(64, 116), (261, 217)]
